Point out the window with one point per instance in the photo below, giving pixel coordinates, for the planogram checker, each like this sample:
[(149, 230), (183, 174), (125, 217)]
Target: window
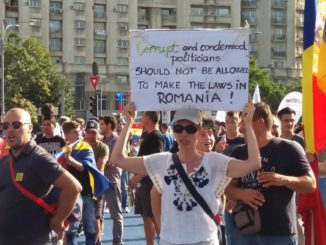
[(122, 79), (123, 26), (223, 11), (35, 3), (80, 42), (99, 10), (79, 60), (252, 50), (55, 44), (55, 26), (56, 59), (99, 46), (278, 50), (122, 8), (278, 16), (169, 14), (197, 11), (79, 91), (10, 21), (100, 60), (278, 64), (99, 29), (55, 7), (78, 6), (124, 61), (123, 43), (143, 14), (249, 15), (278, 34), (79, 24)]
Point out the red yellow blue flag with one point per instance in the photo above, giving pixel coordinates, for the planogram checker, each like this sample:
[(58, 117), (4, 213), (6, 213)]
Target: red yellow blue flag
[(313, 113)]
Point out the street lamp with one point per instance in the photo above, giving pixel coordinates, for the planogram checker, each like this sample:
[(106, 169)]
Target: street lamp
[(2, 42)]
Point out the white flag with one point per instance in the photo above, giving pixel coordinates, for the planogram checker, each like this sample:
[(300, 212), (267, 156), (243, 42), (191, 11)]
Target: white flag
[(256, 95)]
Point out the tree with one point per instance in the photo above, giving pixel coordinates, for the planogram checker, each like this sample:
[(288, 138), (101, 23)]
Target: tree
[(270, 92), (30, 76)]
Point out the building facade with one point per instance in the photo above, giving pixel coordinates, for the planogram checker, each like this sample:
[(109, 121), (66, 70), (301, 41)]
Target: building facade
[(80, 32)]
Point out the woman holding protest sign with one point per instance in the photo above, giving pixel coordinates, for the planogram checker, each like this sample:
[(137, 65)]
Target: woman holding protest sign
[(183, 221)]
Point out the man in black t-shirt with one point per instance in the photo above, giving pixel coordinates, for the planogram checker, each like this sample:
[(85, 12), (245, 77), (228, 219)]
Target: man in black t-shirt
[(48, 141), (153, 142), (285, 169)]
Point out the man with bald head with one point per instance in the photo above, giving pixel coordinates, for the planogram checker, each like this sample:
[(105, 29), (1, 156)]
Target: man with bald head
[(21, 220)]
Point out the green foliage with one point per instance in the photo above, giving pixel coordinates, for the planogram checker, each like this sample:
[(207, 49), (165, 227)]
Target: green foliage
[(30, 77), (270, 92)]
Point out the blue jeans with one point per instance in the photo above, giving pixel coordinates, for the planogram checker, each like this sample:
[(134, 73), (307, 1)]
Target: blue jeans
[(124, 189), (89, 223)]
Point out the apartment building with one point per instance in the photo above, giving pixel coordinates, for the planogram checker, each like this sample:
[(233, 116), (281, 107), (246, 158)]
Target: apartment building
[(276, 35), (80, 32)]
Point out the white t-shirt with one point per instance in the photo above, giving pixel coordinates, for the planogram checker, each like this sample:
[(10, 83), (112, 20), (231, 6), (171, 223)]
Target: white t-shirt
[(183, 221)]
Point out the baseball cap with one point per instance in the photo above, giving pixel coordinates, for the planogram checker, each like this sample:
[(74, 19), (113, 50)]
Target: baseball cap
[(92, 125), (188, 114)]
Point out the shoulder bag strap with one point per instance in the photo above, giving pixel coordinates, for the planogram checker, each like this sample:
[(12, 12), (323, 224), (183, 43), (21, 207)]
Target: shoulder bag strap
[(39, 201), (200, 200)]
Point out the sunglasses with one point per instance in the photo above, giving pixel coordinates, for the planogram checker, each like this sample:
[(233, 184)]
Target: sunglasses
[(190, 129), (15, 125)]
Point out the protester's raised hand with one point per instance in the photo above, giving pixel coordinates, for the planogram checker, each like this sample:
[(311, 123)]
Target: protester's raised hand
[(248, 112), (131, 112)]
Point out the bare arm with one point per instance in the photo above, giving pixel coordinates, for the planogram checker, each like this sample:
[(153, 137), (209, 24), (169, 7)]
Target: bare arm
[(239, 168), (73, 162), (69, 190), (305, 183), (156, 206), (249, 196), (100, 164), (119, 156), (322, 167)]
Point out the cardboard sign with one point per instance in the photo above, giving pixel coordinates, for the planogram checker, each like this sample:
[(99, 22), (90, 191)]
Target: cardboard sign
[(199, 69)]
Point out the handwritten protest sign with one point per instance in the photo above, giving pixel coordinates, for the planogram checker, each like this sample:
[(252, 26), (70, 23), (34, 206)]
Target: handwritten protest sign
[(199, 69)]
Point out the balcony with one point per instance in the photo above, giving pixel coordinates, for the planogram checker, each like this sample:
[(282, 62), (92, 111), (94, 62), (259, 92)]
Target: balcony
[(169, 18), (278, 21), (249, 4), (98, 32), (55, 11), (143, 20), (278, 37), (277, 4), (278, 54), (99, 50), (99, 14)]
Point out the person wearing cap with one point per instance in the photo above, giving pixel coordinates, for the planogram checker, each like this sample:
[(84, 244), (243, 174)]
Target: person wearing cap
[(101, 153), (182, 220)]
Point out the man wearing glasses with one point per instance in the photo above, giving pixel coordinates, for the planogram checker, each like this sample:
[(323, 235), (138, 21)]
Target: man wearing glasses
[(22, 221)]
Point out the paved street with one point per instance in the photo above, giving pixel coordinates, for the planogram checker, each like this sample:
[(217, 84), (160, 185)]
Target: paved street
[(133, 230)]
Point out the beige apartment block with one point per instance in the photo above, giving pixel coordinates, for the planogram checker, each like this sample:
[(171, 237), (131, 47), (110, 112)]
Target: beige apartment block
[(80, 32)]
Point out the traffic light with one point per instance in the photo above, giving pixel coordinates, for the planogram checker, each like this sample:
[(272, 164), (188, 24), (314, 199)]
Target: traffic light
[(95, 69), (93, 105)]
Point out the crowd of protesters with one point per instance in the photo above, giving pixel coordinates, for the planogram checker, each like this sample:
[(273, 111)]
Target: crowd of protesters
[(254, 158)]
